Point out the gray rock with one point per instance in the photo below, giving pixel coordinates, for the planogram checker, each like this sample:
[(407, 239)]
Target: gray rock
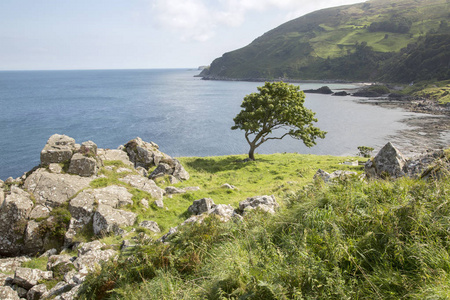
[(53, 190), (13, 221), (161, 170), (57, 260), (179, 171), (9, 265), (109, 220), (192, 188), (123, 170), (194, 219), (36, 292), (7, 293), (21, 292), (55, 168), (265, 203), (33, 241), (336, 175), (59, 149), (2, 183), (27, 278), (60, 288), (201, 206), (228, 186), (166, 236), (92, 246), (70, 295), (83, 166), (144, 203), (49, 253), (388, 162), (150, 225), (4, 279), (143, 172), (2, 197), (144, 154), (88, 148), (159, 203), (225, 212), (9, 180), (144, 184), (174, 190), (111, 155), (39, 212), (173, 179), (170, 167), (91, 260)]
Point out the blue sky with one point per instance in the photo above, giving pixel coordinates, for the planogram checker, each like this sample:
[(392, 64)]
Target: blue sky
[(130, 34)]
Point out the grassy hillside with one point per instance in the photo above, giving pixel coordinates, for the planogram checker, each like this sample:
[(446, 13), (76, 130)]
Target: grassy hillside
[(349, 240), (348, 42)]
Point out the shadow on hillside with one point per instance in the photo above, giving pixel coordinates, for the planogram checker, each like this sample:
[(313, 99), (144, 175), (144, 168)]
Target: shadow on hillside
[(214, 165)]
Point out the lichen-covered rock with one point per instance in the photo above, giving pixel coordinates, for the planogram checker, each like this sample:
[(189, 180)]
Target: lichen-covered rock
[(33, 241), (7, 293), (144, 154), (53, 190), (114, 154), (91, 260), (4, 279), (88, 148), (83, 165), (109, 220), (59, 149), (338, 174), (144, 184), (70, 295), (150, 225), (2, 196), (9, 265), (173, 190), (228, 186), (59, 262), (201, 206), (55, 168), (13, 221), (92, 246), (36, 292), (60, 288), (225, 212), (27, 278), (389, 162), (265, 203), (171, 167), (39, 212)]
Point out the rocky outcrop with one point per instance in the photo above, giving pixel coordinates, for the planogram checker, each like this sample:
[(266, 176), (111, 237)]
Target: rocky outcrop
[(144, 184), (109, 220), (13, 221), (59, 149), (114, 155), (336, 175), (171, 167), (144, 154), (389, 162), (201, 206), (83, 165), (7, 293), (27, 278), (264, 203), (150, 225), (53, 190), (322, 90)]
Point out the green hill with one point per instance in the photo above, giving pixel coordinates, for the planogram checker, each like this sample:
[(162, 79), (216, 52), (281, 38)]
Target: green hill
[(355, 42)]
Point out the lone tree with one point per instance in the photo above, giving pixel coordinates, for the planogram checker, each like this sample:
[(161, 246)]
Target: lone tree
[(278, 105)]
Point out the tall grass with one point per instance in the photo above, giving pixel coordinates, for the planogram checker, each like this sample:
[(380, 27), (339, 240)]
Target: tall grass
[(349, 240)]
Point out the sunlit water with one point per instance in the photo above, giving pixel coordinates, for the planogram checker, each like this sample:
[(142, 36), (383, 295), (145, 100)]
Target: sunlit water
[(184, 115)]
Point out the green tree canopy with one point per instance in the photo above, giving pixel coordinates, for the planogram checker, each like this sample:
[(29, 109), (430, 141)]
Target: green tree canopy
[(277, 105)]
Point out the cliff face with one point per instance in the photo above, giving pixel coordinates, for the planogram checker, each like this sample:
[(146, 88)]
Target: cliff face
[(355, 42)]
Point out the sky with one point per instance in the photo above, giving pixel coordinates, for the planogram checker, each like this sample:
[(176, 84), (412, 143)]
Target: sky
[(136, 34)]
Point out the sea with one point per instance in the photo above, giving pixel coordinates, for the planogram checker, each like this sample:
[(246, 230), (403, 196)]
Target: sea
[(183, 114)]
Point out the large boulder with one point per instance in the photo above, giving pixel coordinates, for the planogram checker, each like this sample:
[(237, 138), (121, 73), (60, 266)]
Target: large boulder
[(114, 155), (90, 255), (9, 265), (144, 184), (27, 278), (7, 293), (170, 167), (265, 203), (13, 221), (83, 165), (59, 149), (201, 206), (33, 241), (36, 292), (144, 154), (53, 190), (389, 162), (109, 220)]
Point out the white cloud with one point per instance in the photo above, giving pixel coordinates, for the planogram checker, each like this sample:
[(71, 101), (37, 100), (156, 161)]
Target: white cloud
[(199, 19)]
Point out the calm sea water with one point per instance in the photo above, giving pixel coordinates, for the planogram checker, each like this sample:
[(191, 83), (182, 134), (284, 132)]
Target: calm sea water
[(184, 115)]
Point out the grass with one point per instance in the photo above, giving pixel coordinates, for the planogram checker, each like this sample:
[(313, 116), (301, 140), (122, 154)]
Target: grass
[(349, 240)]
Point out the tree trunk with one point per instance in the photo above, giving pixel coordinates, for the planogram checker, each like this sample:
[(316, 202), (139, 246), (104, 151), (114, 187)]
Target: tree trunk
[(251, 153)]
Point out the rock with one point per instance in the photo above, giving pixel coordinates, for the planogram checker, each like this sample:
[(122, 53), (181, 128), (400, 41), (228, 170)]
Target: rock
[(60, 263), (89, 149), (228, 186), (111, 155), (92, 246), (58, 289), (171, 231), (33, 240), (2, 183), (144, 184), (144, 154), (27, 278), (9, 265), (49, 253), (82, 165), (338, 174), (322, 90), (91, 260), (4, 279), (13, 221), (342, 93), (7, 293), (53, 190), (159, 203), (36, 292), (39, 212), (144, 202), (265, 203), (173, 179), (194, 219), (171, 167), (108, 220), (225, 212), (429, 164), (55, 168), (150, 225), (2, 197), (59, 149), (192, 188), (125, 245), (201, 206), (388, 162), (123, 170), (70, 295), (21, 292), (174, 190), (143, 172)]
